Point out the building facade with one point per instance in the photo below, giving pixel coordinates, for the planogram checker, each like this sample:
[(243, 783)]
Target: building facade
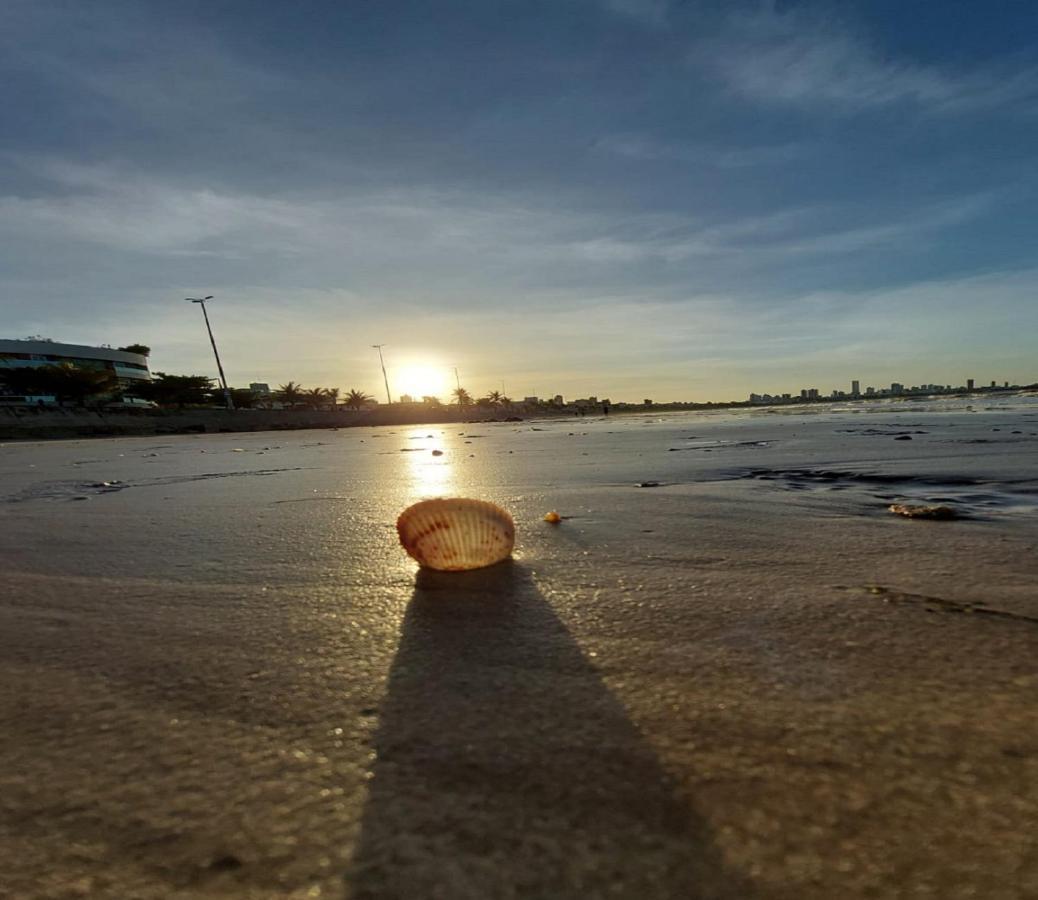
[(127, 367)]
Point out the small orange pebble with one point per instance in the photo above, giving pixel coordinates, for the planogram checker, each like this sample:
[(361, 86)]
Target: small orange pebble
[(552, 517)]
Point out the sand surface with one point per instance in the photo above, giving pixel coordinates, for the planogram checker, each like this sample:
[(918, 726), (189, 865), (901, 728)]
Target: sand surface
[(221, 677)]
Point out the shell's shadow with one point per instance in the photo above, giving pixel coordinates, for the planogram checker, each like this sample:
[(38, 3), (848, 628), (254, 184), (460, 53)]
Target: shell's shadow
[(506, 768)]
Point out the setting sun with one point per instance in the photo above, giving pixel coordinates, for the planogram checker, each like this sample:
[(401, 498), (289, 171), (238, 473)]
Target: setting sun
[(423, 380)]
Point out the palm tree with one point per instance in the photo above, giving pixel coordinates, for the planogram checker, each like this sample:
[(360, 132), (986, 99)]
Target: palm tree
[(314, 397), (495, 398), (290, 394), (462, 397), (332, 396), (356, 399), (175, 390)]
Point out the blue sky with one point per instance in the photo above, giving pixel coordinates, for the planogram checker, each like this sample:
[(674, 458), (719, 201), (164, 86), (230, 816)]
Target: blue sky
[(632, 198)]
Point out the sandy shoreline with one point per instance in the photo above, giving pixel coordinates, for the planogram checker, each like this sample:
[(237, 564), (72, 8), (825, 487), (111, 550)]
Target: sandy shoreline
[(219, 676)]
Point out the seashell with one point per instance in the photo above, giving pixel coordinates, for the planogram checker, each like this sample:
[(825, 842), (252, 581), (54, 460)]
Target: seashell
[(456, 534)]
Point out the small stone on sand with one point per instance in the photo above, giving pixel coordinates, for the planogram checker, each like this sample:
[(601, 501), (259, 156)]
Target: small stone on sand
[(910, 511)]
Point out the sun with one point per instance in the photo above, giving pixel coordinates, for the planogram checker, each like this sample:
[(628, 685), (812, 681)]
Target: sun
[(422, 380)]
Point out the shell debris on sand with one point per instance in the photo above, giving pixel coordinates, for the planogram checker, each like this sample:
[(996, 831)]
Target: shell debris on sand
[(910, 511), (456, 534)]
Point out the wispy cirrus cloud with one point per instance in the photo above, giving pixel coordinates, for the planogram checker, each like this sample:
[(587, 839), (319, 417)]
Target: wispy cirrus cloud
[(361, 231), (787, 235), (647, 147), (130, 212), (798, 58)]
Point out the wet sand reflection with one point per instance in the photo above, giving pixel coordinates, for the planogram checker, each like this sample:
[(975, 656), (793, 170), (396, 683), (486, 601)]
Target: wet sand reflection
[(506, 768)]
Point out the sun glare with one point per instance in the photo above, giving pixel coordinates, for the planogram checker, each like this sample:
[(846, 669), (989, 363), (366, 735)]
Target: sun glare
[(423, 381)]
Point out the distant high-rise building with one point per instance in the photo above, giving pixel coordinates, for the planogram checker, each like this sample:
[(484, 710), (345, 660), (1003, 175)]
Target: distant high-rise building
[(897, 388), (969, 384), (855, 388)]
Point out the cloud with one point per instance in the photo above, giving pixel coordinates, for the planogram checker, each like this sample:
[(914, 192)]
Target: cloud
[(784, 235), (129, 212), (650, 12), (797, 59), (418, 246), (645, 147)]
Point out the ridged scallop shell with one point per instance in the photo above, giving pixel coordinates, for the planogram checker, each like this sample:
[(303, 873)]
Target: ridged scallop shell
[(456, 534)]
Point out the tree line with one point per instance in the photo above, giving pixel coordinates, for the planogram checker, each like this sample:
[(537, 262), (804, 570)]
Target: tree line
[(82, 386), (63, 381)]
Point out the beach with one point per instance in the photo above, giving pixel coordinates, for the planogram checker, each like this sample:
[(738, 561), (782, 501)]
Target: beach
[(729, 672)]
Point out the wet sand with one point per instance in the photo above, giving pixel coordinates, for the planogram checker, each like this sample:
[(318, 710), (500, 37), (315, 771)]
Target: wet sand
[(220, 676)]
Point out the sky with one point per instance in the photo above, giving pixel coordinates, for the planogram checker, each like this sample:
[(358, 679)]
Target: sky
[(626, 198)]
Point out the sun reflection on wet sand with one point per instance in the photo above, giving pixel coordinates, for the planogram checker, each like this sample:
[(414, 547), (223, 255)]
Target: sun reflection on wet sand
[(430, 476)]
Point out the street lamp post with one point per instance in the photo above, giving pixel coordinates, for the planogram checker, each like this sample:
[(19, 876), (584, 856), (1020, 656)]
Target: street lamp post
[(385, 378), (219, 366)]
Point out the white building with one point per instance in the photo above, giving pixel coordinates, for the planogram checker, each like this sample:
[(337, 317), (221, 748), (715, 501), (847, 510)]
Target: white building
[(127, 367)]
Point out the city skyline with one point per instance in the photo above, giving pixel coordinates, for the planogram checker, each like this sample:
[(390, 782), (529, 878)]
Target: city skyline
[(626, 197), (427, 384)]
